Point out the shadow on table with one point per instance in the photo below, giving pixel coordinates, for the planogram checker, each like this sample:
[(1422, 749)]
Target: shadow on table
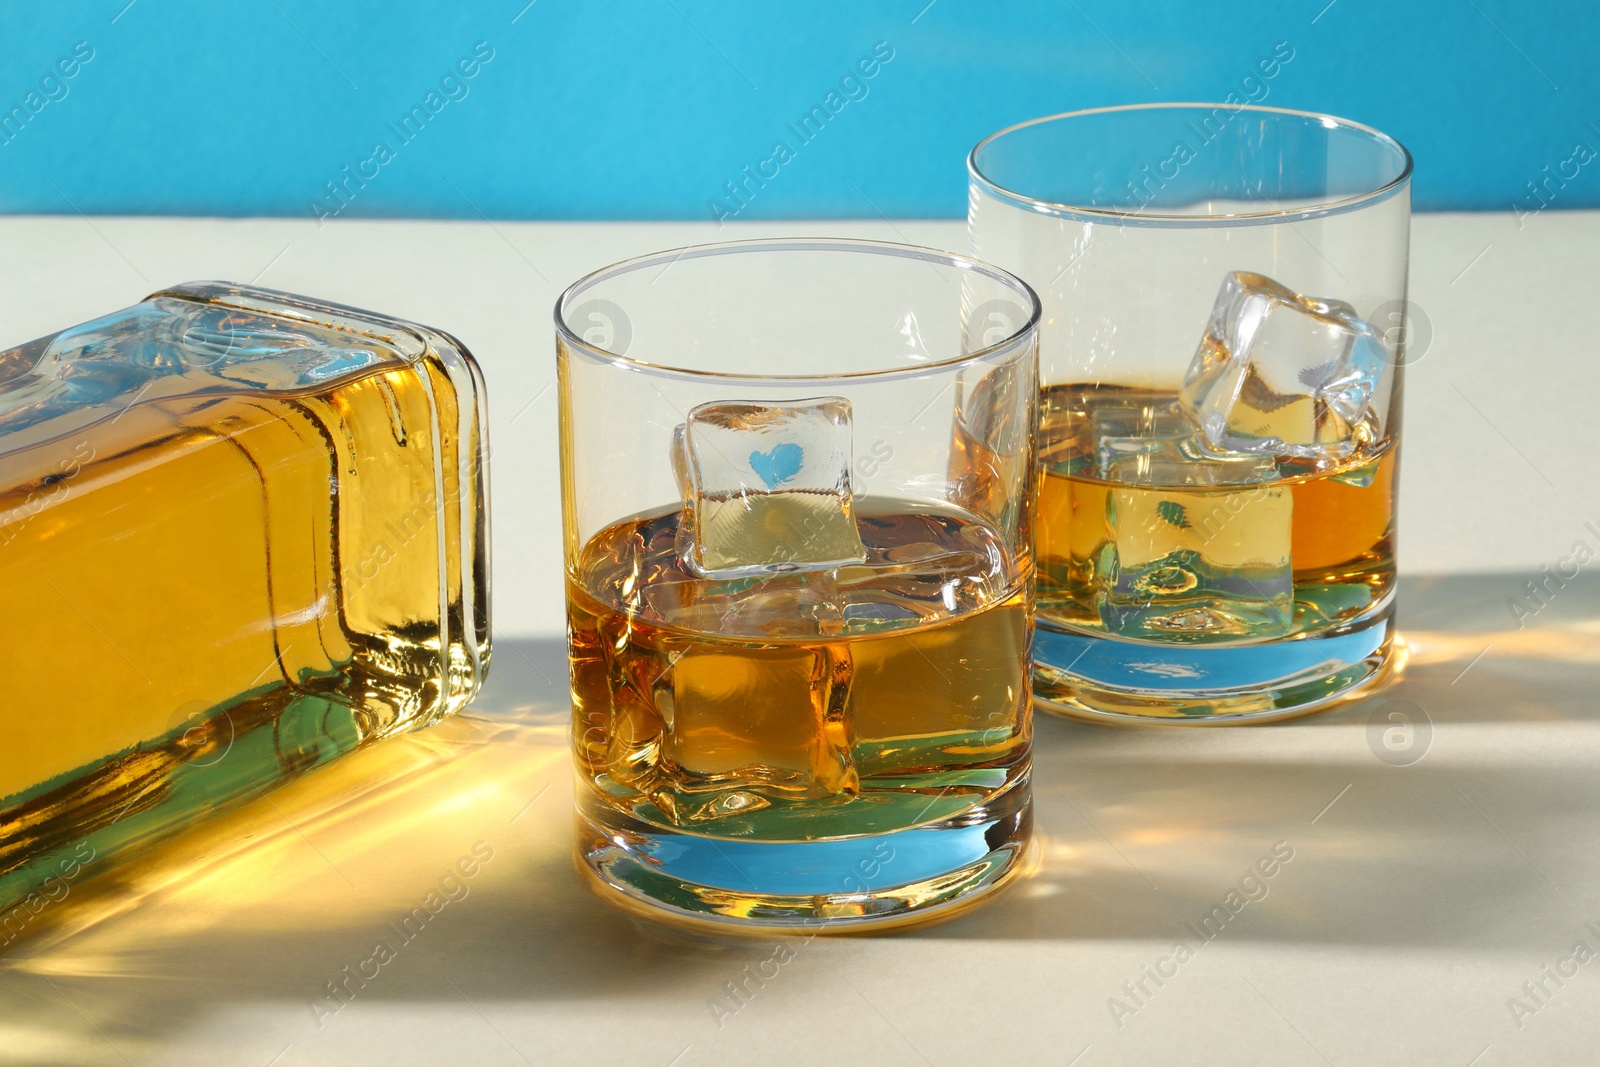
[(438, 867)]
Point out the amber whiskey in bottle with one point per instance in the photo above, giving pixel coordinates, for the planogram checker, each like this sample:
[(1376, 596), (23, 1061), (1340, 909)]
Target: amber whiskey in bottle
[(241, 534)]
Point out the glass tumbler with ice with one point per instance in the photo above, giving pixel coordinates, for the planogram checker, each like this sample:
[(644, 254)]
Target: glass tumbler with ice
[(798, 581), (1220, 395)]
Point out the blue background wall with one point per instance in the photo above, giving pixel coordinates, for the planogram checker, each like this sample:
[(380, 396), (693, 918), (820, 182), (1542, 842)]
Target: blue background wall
[(645, 108)]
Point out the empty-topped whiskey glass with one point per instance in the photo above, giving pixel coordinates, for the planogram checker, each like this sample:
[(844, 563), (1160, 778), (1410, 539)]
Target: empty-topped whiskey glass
[(1224, 327), (796, 488)]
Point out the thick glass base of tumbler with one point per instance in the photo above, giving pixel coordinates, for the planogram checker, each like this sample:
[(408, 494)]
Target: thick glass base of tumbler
[(922, 874), (1105, 679)]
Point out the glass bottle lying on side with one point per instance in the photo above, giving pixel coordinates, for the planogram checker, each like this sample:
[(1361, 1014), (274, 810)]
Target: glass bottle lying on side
[(241, 533)]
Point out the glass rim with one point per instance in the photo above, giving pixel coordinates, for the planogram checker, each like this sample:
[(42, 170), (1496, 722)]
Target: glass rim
[(934, 256), (1332, 206)]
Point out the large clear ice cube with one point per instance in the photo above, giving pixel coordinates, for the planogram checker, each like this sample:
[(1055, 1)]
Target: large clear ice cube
[(1198, 546), (768, 488), (748, 724), (1174, 540), (1124, 432), (1278, 373), (1160, 444)]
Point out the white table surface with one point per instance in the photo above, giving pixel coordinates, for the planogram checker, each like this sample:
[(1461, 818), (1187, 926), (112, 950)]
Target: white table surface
[(1418, 901)]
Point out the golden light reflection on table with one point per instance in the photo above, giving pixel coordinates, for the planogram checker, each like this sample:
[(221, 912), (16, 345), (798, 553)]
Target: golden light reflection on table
[(335, 848), (295, 890)]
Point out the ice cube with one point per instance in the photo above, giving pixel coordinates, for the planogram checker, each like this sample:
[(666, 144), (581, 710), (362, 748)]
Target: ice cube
[(1180, 462), (764, 723), (1283, 374), (769, 488), (1127, 438), (1202, 565), (1160, 444)]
